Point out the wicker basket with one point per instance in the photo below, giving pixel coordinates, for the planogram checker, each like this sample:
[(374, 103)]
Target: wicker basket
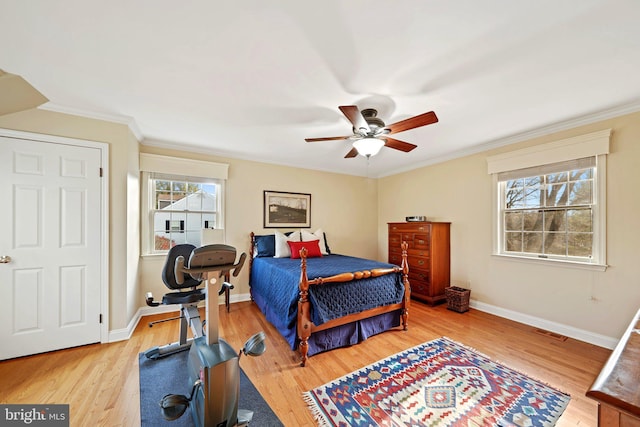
[(457, 298)]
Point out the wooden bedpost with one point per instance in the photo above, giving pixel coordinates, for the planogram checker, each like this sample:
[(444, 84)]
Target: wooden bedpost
[(304, 314), (407, 286), (253, 242), (251, 254)]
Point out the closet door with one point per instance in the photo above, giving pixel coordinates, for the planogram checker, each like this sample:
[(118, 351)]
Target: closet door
[(50, 249)]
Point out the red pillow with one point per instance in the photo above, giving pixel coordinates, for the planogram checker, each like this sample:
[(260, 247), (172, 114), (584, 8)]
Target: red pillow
[(313, 249)]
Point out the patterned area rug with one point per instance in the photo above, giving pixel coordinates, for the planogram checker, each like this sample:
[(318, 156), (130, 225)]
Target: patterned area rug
[(438, 383)]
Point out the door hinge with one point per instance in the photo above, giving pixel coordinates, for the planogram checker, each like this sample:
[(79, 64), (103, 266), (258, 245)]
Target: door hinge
[(100, 318), (100, 172)]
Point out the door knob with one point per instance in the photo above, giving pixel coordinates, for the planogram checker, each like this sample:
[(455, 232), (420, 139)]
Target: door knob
[(5, 259)]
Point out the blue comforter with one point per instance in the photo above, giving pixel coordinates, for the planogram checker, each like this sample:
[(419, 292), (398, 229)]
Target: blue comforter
[(274, 286)]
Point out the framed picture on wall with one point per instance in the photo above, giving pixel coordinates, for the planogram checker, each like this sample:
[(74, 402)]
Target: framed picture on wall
[(287, 210)]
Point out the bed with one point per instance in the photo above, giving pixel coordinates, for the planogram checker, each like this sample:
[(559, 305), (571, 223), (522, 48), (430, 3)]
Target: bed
[(321, 301)]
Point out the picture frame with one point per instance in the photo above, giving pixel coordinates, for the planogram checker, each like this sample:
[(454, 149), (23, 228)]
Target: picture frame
[(287, 210)]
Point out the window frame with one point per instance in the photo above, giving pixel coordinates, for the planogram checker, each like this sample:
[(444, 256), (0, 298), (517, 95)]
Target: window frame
[(177, 169), (592, 145), (152, 210)]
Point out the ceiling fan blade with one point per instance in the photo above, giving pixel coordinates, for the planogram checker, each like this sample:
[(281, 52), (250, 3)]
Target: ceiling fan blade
[(398, 145), (355, 117), (352, 153), (329, 138), (413, 122)]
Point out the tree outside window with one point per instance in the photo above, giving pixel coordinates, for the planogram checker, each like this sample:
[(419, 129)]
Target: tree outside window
[(550, 215)]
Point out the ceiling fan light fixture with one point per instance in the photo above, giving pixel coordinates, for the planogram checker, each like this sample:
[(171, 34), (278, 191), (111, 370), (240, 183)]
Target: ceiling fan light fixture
[(368, 146), (370, 133)]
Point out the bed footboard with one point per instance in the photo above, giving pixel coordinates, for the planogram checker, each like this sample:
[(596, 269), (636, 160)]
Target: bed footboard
[(306, 326)]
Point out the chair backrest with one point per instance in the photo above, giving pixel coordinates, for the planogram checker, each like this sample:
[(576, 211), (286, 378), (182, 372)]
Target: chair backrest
[(168, 271)]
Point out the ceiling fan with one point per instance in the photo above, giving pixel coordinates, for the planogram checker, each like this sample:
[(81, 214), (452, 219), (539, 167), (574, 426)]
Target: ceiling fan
[(370, 133)]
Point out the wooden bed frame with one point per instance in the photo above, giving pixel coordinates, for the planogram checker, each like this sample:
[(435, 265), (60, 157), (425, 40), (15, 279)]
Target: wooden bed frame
[(306, 327)]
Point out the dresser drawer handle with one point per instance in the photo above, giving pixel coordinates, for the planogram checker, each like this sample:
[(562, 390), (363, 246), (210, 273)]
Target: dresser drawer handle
[(421, 242), (421, 262)]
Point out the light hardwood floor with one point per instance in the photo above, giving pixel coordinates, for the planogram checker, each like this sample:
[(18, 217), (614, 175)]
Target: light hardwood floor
[(100, 381)]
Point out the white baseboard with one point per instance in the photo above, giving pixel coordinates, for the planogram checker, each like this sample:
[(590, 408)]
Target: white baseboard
[(570, 331), (240, 298), (125, 333), (559, 328)]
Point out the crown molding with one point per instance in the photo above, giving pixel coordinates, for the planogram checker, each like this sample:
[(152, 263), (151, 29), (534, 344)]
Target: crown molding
[(616, 111), (587, 119), (113, 118)]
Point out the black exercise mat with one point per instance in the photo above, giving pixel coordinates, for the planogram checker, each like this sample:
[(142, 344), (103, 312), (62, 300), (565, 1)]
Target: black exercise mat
[(168, 375)]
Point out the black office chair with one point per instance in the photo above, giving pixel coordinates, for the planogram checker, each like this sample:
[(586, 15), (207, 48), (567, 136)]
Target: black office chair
[(180, 260)]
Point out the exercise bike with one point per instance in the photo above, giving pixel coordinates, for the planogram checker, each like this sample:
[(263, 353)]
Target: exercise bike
[(213, 365)]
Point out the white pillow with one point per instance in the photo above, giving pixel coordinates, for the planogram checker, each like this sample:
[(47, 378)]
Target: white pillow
[(282, 247), (317, 235)]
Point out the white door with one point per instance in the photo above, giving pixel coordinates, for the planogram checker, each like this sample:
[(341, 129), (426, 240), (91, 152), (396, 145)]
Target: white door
[(50, 248)]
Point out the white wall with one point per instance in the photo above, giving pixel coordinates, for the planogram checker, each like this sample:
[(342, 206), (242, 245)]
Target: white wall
[(123, 215), (354, 212), (344, 206), (132, 191), (576, 301)]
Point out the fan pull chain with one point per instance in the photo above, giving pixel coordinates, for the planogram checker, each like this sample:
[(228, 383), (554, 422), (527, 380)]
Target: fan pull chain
[(368, 160)]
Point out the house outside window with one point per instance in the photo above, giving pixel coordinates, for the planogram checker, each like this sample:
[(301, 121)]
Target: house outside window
[(181, 197), (181, 209), (552, 211)]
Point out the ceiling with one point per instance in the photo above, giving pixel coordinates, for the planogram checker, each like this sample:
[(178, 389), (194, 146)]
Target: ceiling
[(251, 79)]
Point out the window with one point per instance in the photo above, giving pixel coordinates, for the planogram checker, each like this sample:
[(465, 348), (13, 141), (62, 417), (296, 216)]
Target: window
[(552, 211), (549, 215), (181, 208), (180, 198)]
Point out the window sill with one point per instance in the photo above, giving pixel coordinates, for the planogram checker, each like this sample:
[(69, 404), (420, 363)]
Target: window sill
[(555, 262), (151, 256)]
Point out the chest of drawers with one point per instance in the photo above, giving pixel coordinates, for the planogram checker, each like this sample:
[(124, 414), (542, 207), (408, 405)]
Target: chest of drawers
[(428, 256), (616, 388)]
